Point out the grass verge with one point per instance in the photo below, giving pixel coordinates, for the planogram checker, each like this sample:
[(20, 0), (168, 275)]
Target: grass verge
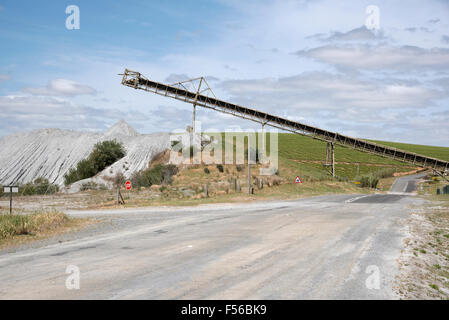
[(424, 263), (17, 229)]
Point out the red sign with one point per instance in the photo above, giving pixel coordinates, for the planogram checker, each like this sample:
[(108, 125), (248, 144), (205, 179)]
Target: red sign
[(128, 185), (298, 180)]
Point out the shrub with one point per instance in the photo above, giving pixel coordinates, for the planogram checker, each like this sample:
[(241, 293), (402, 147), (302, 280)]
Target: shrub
[(106, 153), (206, 170), (92, 186), (118, 179), (103, 155), (39, 186), (368, 182), (220, 167), (159, 174), (385, 173)]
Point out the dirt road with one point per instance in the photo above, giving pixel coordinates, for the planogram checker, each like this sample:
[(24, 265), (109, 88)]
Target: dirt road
[(328, 247)]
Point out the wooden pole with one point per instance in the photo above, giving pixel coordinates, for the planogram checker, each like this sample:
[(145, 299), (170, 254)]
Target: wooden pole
[(249, 171), (333, 160)]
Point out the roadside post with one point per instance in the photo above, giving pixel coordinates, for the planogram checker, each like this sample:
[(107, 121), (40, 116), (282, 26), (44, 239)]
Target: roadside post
[(128, 186), (10, 190), (297, 182)]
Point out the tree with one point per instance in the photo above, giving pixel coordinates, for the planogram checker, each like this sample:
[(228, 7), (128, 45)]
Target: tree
[(106, 153), (103, 155)]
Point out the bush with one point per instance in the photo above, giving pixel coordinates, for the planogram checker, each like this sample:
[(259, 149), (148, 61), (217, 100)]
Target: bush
[(371, 181), (103, 155), (220, 167), (368, 182), (92, 186), (206, 170), (385, 173), (106, 153), (118, 180), (159, 174), (39, 186)]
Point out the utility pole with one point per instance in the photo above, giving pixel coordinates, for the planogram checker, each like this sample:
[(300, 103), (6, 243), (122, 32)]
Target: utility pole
[(249, 171), (333, 160), (330, 157), (194, 104), (263, 142)]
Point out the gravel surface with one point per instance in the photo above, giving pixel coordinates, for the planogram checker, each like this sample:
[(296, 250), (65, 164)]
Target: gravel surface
[(327, 247)]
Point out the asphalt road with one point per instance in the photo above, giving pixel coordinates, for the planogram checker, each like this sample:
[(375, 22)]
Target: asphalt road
[(328, 247)]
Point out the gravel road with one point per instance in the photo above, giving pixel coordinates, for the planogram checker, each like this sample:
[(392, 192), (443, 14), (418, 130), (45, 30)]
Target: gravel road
[(327, 247)]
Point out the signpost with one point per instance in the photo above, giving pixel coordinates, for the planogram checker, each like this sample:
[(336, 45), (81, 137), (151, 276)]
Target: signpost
[(10, 190), (128, 186), (297, 182)]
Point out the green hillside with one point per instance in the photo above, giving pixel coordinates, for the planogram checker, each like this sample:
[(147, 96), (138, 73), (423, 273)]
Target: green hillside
[(435, 152), (302, 154), (308, 155)]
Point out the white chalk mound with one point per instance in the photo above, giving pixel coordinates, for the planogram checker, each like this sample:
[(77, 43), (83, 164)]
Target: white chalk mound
[(50, 153)]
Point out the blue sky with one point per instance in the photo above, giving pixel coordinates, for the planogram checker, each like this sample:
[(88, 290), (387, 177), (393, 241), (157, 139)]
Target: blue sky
[(311, 61)]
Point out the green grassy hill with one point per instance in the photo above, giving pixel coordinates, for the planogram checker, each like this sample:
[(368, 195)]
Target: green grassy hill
[(309, 155), (299, 156), (303, 155), (435, 152)]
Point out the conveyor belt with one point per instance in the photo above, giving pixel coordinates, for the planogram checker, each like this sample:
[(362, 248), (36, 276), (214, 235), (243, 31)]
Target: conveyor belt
[(135, 80)]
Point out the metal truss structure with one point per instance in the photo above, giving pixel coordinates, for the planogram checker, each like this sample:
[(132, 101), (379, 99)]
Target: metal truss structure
[(182, 92)]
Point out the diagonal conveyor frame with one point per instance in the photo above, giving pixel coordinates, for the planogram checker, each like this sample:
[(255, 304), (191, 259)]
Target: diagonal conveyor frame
[(135, 80)]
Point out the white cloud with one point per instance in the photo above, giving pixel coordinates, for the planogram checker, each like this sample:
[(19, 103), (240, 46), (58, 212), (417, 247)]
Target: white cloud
[(357, 34), (62, 87), (364, 56), (327, 91), (21, 113)]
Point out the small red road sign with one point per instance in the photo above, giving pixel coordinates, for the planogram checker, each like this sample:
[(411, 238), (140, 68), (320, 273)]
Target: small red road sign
[(298, 180), (128, 185)]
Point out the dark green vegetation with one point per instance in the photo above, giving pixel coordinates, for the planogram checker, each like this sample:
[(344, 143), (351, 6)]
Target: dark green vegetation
[(103, 155), (159, 174), (38, 186)]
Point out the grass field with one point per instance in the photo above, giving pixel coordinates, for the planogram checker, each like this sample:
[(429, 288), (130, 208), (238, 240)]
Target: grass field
[(306, 155), (298, 156), (435, 152)]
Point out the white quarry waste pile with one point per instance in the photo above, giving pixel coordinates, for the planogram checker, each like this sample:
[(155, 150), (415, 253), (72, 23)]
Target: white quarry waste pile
[(50, 153)]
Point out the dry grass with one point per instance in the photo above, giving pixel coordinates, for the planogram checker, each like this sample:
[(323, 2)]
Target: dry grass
[(386, 183), (19, 228)]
